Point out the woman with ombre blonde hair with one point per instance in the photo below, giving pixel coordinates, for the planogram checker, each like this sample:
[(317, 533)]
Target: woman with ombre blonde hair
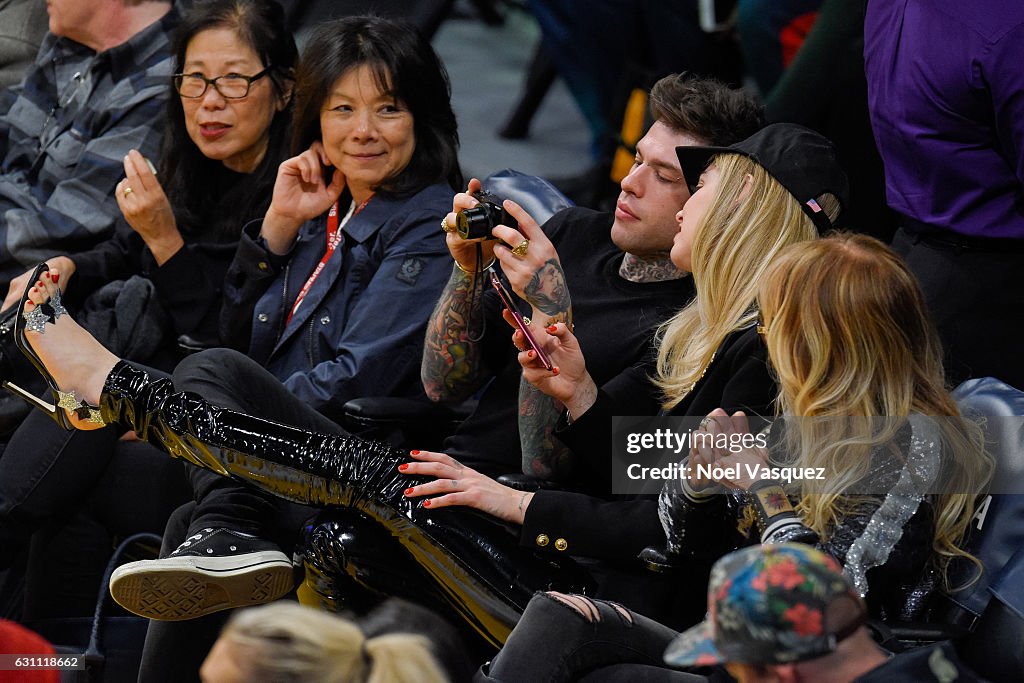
[(864, 406), (849, 335)]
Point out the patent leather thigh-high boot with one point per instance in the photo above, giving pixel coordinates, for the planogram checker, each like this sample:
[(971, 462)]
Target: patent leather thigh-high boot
[(474, 561)]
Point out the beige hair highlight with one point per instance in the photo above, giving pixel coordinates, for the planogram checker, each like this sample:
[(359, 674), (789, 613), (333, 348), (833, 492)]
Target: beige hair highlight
[(284, 642), (849, 336)]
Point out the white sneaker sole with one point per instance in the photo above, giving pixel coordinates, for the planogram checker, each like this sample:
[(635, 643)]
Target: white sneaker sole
[(178, 588)]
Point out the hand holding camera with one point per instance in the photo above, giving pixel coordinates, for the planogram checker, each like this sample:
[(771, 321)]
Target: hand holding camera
[(465, 251), (476, 223)]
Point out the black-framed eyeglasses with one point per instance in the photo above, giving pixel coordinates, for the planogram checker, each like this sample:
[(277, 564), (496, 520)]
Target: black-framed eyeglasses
[(230, 86)]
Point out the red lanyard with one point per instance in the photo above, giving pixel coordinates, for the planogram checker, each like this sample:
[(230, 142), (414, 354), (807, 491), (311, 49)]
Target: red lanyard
[(334, 238)]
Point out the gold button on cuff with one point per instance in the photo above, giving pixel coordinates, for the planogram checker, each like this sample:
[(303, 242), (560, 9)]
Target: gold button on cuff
[(561, 544), (263, 265), (543, 540)]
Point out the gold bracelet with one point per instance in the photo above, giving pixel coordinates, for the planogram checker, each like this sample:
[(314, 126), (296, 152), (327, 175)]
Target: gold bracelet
[(467, 271)]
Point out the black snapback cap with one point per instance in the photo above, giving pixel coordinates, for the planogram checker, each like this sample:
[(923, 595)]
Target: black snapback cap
[(803, 161)]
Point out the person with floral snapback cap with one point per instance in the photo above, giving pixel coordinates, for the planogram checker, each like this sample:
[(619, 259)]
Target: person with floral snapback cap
[(786, 612)]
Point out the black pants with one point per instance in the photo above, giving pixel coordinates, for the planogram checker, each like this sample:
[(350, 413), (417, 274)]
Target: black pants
[(174, 650), (231, 380), (48, 474), (976, 298), (554, 642), (73, 494)]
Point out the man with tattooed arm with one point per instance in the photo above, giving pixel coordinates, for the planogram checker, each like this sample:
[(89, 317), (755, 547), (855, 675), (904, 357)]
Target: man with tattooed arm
[(606, 274)]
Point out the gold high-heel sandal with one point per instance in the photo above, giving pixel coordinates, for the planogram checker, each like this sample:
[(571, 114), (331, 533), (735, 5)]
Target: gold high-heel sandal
[(36, 320)]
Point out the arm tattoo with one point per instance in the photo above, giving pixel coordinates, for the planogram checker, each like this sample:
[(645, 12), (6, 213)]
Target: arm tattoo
[(451, 370), (544, 455), (548, 292)]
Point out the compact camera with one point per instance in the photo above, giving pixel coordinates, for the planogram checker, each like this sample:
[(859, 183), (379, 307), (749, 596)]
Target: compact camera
[(476, 223)]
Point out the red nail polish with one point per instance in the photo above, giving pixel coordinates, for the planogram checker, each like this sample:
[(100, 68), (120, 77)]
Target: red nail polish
[(426, 503), (408, 492), (414, 452), (554, 371), (55, 277), (403, 467), (530, 354)]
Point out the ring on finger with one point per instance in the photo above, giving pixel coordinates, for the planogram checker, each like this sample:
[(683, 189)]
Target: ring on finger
[(705, 422), (445, 226), (521, 248), (126, 191)]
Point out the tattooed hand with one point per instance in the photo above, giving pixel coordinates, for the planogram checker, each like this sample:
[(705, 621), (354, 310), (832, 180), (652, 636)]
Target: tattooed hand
[(463, 251), (536, 276)]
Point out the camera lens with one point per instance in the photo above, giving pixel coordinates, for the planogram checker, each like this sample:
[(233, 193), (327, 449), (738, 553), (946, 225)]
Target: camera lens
[(474, 223)]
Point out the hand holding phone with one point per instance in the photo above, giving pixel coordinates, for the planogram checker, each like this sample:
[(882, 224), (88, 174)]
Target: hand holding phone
[(506, 299)]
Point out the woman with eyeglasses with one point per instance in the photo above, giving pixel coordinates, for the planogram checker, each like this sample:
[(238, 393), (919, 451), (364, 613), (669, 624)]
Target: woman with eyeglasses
[(227, 129), (158, 283)]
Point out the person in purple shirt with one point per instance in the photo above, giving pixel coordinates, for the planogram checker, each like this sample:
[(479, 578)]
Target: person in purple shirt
[(946, 97)]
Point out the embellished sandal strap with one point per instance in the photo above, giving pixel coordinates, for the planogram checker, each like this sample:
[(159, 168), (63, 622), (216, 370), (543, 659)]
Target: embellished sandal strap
[(85, 412), (49, 312)]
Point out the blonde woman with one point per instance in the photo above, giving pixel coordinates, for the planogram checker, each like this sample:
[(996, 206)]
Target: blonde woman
[(284, 642)]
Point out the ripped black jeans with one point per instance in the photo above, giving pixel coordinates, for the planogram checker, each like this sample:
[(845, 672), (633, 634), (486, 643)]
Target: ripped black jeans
[(565, 637)]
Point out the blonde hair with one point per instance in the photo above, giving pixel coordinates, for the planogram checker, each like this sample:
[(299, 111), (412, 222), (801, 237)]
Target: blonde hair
[(284, 642), (734, 243), (849, 335)]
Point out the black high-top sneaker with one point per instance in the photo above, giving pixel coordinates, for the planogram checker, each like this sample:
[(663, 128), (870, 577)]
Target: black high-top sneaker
[(213, 570)]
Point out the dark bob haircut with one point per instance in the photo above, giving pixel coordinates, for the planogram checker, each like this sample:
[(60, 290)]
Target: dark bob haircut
[(185, 171), (405, 66)]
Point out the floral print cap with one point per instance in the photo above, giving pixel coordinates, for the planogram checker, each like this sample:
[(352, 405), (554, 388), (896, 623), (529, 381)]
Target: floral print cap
[(771, 604)]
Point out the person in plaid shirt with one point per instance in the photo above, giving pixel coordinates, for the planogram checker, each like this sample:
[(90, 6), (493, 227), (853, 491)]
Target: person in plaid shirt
[(96, 90)]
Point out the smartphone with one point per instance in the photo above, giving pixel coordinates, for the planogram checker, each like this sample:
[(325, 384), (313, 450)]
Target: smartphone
[(506, 299)]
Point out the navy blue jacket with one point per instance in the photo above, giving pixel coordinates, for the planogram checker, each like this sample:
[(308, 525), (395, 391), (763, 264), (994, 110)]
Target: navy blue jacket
[(360, 329)]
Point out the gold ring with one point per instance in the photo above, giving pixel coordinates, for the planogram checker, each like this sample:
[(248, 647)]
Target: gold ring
[(445, 226), (521, 248), (127, 191), (705, 422)]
